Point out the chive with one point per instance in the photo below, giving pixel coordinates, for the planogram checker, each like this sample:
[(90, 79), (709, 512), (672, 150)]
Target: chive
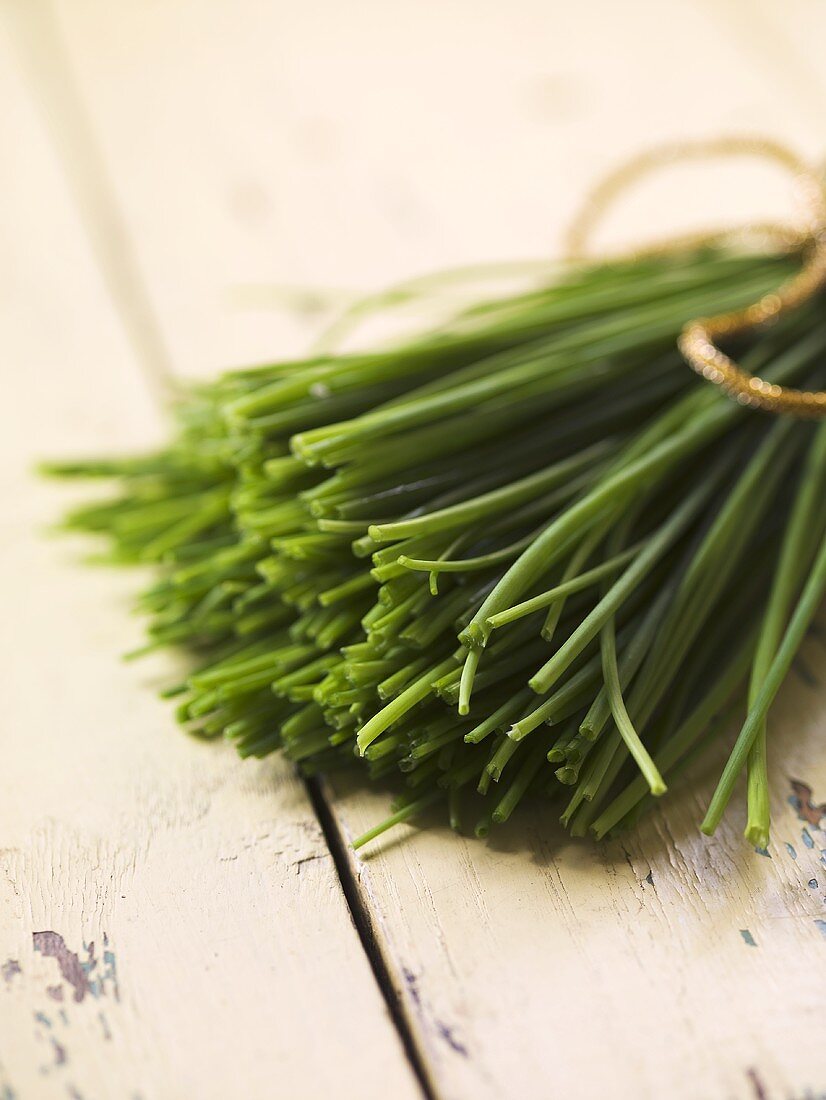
[(620, 714), (804, 612), (354, 548), (566, 588), (404, 814), (791, 564)]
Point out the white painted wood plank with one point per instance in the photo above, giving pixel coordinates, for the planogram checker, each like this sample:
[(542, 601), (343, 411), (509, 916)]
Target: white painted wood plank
[(171, 922), (351, 145), (345, 146), (664, 964)]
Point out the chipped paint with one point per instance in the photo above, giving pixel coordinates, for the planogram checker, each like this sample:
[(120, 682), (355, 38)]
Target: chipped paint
[(411, 981), (87, 976), (806, 837), (748, 937), (446, 1033), (649, 878), (60, 1057), (110, 971), (812, 883), (89, 965), (763, 852), (10, 969), (52, 945), (104, 1023), (790, 850), (757, 1084), (820, 924), (806, 809)]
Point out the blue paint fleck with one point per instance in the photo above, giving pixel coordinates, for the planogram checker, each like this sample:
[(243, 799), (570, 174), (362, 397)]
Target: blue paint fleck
[(451, 1040), (750, 940), (90, 963), (763, 852), (412, 984), (807, 840), (791, 850), (649, 878), (812, 883), (821, 925), (110, 972), (43, 1019)]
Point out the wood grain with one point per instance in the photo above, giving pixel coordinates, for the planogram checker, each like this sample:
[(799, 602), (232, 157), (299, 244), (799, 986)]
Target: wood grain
[(171, 922), (664, 964), (340, 147)]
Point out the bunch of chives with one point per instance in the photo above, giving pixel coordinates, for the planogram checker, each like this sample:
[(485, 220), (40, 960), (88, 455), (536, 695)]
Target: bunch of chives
[(528, 554)]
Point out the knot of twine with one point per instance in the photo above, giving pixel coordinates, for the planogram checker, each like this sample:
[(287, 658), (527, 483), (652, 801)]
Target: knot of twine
[(698, 341)]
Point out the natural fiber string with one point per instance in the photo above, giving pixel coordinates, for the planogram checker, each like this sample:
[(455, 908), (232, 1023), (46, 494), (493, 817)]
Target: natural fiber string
[(698, 341)]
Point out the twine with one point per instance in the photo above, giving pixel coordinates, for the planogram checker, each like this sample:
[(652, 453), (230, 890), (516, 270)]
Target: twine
[(698, 341)]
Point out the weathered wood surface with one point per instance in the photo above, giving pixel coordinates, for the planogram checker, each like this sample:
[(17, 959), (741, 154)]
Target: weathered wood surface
[(340, 147), (171, 921), (661, 965)]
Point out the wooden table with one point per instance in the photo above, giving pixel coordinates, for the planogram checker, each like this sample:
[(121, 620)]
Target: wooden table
[(194, 184)]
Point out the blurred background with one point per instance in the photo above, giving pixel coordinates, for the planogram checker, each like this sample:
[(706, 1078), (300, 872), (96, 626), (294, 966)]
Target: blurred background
[(238, 171)]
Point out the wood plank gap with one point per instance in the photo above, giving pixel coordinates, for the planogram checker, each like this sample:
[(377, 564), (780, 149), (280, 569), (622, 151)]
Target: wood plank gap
[(46, 67), (322, 804)]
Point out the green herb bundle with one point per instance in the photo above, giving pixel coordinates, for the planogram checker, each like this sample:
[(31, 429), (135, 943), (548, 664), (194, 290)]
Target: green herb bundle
[(526, 554)]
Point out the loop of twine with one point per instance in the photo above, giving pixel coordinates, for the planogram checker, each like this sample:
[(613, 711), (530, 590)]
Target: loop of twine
[(698, 341)]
